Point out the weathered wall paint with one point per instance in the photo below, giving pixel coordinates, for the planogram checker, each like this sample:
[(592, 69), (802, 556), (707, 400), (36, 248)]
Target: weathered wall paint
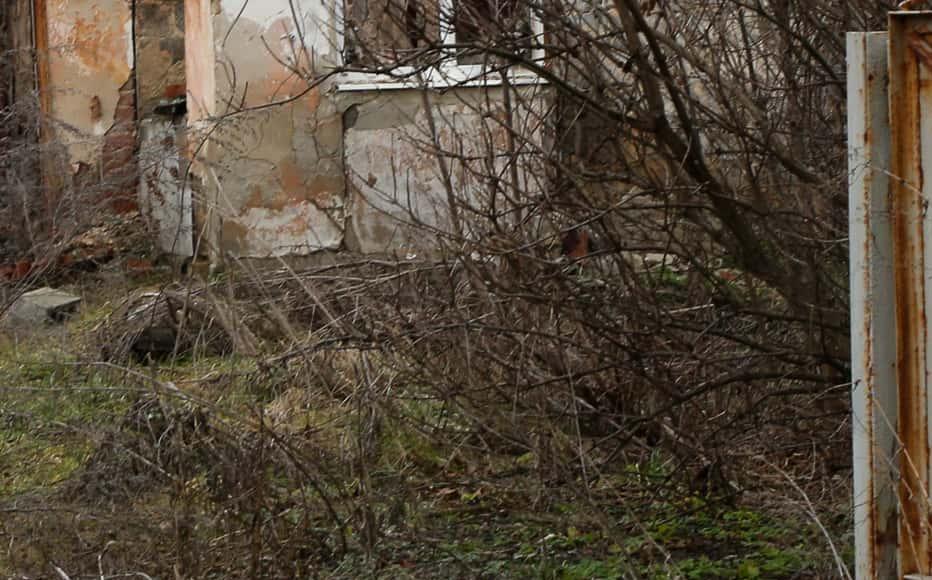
[(199, 60), (275, 172), (90, 61), (394, 178), (874, 414), (272, 165), (164, 193), (160, 53), (165, 189)]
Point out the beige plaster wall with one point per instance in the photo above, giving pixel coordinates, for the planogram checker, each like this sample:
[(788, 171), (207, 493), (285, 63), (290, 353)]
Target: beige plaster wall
[(275, 162), (277, 172), (395, 184), (90, 61)]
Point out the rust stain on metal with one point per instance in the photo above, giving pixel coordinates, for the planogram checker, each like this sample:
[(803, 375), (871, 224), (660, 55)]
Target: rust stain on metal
[(917, 41), (868, 336), (877, 453), (867, 333), (911, 321)]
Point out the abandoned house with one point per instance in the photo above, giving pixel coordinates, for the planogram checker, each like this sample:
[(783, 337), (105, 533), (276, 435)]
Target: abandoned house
[(236, 127)]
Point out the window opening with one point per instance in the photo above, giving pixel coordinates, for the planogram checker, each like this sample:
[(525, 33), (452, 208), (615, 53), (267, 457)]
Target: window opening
[(384, 32), (392, 32), (495, 24)]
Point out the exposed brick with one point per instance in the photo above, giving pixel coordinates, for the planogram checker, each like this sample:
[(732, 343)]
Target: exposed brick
[(139, 267), (174, 47), (21, 269), (174, 91), (118, 167)]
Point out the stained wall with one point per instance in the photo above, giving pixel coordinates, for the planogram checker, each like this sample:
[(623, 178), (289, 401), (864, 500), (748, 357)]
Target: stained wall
[(90, 55), (90, 92), (278, 166), (160, 53), (274, 166), (397, 189)]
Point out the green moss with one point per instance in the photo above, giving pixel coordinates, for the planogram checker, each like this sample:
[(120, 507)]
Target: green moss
[(49, 408), (29, 464)]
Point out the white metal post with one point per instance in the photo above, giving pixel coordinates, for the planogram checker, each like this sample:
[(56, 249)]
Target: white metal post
[(873, 352)]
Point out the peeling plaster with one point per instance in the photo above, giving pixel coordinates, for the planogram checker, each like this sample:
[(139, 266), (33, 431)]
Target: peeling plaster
[(296, 229), (200, 61), (160, 53), (273, 19), (89, 61), (281, 181), (130, 51), (393, 182), (166, 204), (285, 180)]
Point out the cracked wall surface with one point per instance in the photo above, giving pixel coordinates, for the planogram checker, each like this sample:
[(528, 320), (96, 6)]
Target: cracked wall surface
[(274, 170), (395, 184), (277, 169), (90, 60), (160, 53), (90, 91)]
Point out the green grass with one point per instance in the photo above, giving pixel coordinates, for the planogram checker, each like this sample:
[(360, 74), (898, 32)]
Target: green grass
[(500, 536), (49, 414), (443, 510)]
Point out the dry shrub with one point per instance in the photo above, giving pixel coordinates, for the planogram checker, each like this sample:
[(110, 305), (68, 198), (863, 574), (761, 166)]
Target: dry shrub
[(167, 323)]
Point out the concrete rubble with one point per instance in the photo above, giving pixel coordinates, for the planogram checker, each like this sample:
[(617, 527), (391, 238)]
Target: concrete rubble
[(42, 306)]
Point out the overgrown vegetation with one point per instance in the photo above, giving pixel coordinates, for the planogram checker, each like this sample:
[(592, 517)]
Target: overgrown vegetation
[(669, 400), (232, 466)]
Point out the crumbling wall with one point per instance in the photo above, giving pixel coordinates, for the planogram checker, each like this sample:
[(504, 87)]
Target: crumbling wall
[(272, 165), (165, 191), (91, 93), (292, 178), (160, 53), (395, 184), (275, 171)]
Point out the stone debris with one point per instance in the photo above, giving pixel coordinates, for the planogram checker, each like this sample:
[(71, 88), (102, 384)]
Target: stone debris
[(42, 306), (85, 252)]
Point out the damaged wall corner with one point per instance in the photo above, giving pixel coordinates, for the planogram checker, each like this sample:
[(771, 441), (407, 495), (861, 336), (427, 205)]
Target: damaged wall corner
[(271, 171), (202, 111), (91, 94)]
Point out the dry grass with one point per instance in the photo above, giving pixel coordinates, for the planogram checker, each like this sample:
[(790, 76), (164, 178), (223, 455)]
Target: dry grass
[(334, 453)]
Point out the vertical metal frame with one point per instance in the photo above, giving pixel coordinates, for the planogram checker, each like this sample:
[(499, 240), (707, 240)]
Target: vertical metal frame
[(890, 153), (910, 96), (874, 404)]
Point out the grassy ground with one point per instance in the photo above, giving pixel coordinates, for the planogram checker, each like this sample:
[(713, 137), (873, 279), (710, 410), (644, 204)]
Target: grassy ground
[(246, 472)]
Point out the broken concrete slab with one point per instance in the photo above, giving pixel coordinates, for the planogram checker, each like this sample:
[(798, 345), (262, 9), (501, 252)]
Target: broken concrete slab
[(43, 305)]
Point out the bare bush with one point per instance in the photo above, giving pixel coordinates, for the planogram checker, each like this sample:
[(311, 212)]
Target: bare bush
[(699, 147), (634, 247)]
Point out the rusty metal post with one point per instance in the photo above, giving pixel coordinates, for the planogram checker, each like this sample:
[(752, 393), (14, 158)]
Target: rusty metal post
[(910, 97), (873, 353)]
